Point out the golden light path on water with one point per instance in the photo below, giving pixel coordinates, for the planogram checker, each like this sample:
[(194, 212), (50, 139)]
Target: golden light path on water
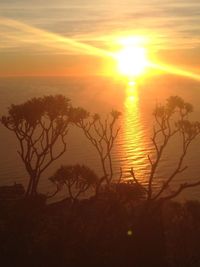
[(134, 146)]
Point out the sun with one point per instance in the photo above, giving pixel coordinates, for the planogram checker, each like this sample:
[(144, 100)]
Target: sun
[(131, 59)]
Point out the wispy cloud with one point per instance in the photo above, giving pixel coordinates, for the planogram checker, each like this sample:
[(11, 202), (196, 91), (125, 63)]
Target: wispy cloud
[(174, 23), (26, 34)]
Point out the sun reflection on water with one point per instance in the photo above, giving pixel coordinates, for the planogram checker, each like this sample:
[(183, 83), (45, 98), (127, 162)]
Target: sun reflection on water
[(133, 134)]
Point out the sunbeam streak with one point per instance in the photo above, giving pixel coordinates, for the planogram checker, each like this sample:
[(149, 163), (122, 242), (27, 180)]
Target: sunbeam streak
[(176, 71), (54, 40)]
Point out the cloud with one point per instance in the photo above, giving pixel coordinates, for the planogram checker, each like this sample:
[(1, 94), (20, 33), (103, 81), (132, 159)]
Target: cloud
[(172, 23), (21, 33)]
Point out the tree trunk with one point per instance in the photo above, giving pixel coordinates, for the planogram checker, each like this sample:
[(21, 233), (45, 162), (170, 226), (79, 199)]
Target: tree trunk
[(29, 188), (32, 186)]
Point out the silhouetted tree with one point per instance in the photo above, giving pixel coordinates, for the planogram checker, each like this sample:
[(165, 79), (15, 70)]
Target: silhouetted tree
[(40, 126), (170, 120), (77, 179), (102, 134)]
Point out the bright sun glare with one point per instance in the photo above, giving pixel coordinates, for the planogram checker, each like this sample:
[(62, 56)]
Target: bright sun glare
[(131, 59)]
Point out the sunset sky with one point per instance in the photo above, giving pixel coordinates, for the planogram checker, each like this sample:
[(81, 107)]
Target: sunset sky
[(57, 37)]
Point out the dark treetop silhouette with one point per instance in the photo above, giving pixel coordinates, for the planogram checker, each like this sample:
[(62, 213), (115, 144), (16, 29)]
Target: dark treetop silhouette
[(77, 179), (170, 120), (39, 125)]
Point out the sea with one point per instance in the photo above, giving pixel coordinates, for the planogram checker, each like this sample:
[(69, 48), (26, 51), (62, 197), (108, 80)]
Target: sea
[(135, 99)]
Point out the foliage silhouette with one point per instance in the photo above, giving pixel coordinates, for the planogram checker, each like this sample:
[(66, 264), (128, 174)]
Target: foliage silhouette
[(171, 120), (40, 124), (78, 179)]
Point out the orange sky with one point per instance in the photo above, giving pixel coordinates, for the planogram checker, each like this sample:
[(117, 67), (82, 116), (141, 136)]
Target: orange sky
[(55, 38)]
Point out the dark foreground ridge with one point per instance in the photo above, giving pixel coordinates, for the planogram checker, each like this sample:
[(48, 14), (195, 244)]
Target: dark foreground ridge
[(100, 231)]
